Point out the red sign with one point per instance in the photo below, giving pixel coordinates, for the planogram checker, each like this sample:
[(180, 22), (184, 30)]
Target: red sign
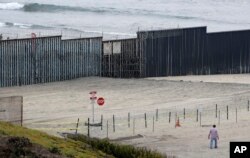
[(100, 101)]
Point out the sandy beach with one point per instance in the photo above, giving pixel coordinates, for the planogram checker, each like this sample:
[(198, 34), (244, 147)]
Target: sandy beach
[(55, 107)]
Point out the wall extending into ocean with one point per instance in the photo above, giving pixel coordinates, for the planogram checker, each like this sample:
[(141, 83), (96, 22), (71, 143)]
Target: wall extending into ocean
[(172, 52)]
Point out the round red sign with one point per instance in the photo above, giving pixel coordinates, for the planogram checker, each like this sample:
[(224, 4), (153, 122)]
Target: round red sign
[(100, 101)]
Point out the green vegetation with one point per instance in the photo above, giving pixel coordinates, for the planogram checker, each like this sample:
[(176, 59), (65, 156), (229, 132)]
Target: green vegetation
[(77, 146), (68, 147), (120, 151)]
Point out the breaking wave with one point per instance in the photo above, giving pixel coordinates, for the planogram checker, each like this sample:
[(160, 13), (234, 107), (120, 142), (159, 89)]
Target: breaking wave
[(37, 7)]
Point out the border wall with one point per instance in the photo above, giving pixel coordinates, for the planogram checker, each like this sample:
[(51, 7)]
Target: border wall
[(48, 59), (121, 59), (229, 52), (81, 58), (173, 52)]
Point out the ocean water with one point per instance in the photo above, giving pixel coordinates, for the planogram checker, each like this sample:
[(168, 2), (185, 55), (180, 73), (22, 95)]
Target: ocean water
[(118, 18)]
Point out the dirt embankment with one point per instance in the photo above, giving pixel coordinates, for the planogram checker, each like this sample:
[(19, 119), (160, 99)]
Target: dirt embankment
[(22, 147)]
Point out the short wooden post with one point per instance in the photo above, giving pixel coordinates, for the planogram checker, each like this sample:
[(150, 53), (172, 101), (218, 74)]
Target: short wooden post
[(197, 115), (248, 105), (88, 128), (169, 117), (113, 123), (145, 117), (128, 120), (227, 112), (156, 114), (184, 113), (101, 121), (134, 126), (219, 118), (153, 123), (107, 128), (77, 125), (21, 111), (175, 119), (200, 119), (236, 115), (216, 109)]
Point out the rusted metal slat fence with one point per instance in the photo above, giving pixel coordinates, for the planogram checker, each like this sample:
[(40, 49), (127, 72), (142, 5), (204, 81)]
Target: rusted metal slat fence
[(81, 58), (48, 59)]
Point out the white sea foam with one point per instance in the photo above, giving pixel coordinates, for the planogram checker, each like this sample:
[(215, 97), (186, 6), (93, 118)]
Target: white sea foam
[(11, 6), (22, 25), (2, 24)]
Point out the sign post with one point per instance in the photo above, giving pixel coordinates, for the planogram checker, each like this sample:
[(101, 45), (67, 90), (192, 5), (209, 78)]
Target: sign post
[(93, 98)]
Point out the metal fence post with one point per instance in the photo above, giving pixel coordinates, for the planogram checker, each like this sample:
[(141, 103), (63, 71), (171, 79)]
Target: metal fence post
[(145, 117)]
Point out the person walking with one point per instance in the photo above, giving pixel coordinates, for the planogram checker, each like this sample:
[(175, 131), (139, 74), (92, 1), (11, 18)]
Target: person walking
[(213, 136)]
